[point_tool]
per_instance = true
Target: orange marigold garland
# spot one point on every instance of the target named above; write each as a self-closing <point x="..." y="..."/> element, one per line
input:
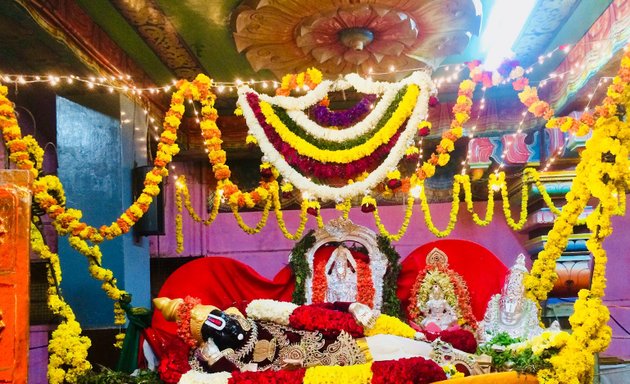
<point x="320" y="285"/>
<point x="365" y="287"/>
<point x="183" y="320"/>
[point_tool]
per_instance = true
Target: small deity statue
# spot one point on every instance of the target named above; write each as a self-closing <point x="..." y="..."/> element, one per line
<point x="341" y="275"/>
<point x="439" y="314"/>
<point x="511" y="311"/>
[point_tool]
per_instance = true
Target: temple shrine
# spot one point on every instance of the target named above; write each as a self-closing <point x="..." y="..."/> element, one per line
<point x="307" y="191"/>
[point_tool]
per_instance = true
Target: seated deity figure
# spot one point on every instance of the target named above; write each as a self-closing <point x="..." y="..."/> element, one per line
<point x="511" y="312"/>
<point x="439" y="298"/>
<point x="341" y="275"/>
<point x="279" y="335"/>
<point x="439" y="314"/>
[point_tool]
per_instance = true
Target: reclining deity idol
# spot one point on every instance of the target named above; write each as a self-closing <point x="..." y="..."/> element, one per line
<point x="278" y="335"/>
<point x="511" y="312"/>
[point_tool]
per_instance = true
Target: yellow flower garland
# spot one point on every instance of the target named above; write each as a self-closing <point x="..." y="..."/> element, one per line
<point x="389" y="325"/>
<point x="452" y="217"/>
<point x="601" y="173"/>
<point x="356" y="374"/>
<point x="179" y="234"/>
<point x="261" y="224"/>
<point x="403" y="228"/>
<point x="68" y="349"/>
<point x="281" y="223"/>
<point x="384" y="135"/>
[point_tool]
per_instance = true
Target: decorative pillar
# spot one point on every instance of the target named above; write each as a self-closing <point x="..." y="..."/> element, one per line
<point x="15" y="220"/>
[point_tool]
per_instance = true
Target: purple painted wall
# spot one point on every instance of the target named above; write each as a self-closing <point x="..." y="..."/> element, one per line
<point x="618" y="289"/>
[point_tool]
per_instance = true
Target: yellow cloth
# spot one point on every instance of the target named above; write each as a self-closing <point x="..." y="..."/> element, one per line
<point x="363" y="345"/>
<point x="492" y="378"/>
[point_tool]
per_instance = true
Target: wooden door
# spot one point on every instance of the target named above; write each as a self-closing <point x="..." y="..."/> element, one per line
<point x="15" y="205"/>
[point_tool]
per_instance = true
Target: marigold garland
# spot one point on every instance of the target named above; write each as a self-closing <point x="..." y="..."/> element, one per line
<point x="356" y="374"/>
<point x="183" y="320"/>
<point x="403" y="228"/>
<point x="68" y="349"/>
<point x="365" y="291"/>
<point x="389" y="325"/>
<point x="310" y="78"/>
<point x="602" y="170"/>
<point x="452" y="217"/>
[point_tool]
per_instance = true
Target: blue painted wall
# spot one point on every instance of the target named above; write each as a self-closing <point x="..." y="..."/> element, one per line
<point x="95" y="156"/>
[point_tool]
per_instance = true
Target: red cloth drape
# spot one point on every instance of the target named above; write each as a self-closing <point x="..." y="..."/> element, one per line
<point x="483" y="272"/>
<point x="224" y="283"/>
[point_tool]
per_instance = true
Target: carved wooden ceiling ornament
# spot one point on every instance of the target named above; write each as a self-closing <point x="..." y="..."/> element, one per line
<point x="352" y="36"/>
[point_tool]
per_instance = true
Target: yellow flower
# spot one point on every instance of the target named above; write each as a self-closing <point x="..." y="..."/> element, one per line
<point x="384" y="135"/>
<point x="429" y="169"/>
<point x="389" y="325"/>
<point x="355" y="374"/>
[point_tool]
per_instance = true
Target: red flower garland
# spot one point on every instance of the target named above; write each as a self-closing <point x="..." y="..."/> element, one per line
<point x="320" y="284"/>
<point x="183" y="320"/>
<point x="174" y="363"/>
<point x="315" y="168"/>
<point x="268" y="377"/>
<point x="322" y="318"/>
<point x="415" y="370"/>
<point x="365" y="287"/>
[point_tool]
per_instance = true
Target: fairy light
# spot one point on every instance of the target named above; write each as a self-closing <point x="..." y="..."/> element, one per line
<point x="416" y="191"/>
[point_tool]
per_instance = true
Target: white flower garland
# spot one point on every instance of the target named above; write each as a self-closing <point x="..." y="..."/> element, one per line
<point x="325" y="192"/>
<point x="341" y="135"/>
<point x="196" y="377"/>
<point x="270" y="310"/>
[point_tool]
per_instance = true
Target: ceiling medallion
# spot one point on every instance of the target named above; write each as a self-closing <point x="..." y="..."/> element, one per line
<point x="346" y="36"/>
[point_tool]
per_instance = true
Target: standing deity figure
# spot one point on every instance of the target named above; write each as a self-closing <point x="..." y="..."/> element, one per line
<point x="341" y="275"/>
<point x="440" y="315"/>
<point x="511" y="312"/>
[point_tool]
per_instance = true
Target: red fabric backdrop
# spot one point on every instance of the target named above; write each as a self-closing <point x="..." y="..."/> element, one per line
<point x="483" y="272"/>
<point x="225" y="282"/>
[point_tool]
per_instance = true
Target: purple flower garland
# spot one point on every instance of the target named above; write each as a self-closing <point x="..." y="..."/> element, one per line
<point x="345" y="118"/>
<point x="317" y="169"/>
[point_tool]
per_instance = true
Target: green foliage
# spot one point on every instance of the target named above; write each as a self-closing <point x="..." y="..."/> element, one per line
<point x="300" y="268"/>
<point x="391" y="303"/>
<point x="108" y="376"/>
<point x="504" y="359"/>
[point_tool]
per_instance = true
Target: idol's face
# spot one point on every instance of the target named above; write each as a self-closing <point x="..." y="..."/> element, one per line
<point x="223" y="329"/>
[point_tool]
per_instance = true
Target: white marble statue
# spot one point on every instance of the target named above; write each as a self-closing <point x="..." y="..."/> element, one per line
<point x="341" y="276"/>
<point x="439" y="314"/>
<point x="511" y="311"/>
